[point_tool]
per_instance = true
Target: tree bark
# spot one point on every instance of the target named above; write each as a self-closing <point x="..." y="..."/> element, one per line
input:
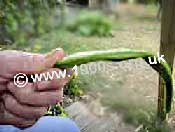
<point x="167" y="46"/>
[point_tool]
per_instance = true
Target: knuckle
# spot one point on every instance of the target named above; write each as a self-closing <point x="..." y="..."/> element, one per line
<point x="58" y="97"/>
<point x="23" y="95"/>
<point x="10" y="86"/>
<point x="20" y="98"/>
<point x="63" y="82"/>
<point x="23" y="98"/>
<point x="10" y="102"/>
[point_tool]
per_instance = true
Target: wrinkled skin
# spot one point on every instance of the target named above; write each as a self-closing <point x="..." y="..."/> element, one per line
<point x="23" y="106"/>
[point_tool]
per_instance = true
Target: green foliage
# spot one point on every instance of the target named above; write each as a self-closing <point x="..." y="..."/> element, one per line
<point x="25" y="19"/>
<point x="56" y="110"/>
<point x="73" y="89"/>
<point x="90" y="23"/>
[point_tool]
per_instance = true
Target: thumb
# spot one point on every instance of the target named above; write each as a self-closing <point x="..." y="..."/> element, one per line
<point x="52" y="57"/>
<point x="29" y="63"/>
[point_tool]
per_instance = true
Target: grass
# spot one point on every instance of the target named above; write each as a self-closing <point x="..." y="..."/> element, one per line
<point x="91" y="23"/>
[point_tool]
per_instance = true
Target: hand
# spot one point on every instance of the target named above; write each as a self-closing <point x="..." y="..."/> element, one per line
<point x="22" y="106"/>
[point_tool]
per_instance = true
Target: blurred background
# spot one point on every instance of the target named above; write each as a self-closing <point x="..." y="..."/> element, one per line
<point x="123" y="96"/>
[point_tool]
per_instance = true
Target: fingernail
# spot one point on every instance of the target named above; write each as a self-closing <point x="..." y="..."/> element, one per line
<point x="58" y="49"/>
<point x="58" y="53"/>
<point x="53" y="56"/>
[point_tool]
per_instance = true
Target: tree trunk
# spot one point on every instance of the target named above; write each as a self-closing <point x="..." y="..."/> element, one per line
<point x="167" y="46"/>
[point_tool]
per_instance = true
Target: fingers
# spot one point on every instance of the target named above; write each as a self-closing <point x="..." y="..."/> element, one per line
<point x="22" y="111"/>
<point x="3" y="80"/>
<point x="3" y="83"/>
<point x="56" y="80"/>
<point x="28" y="63"/>
<point x="2" y="87"/>
<point x="28" y="95"/>
<point x="8" y="118"/>
<point x="52" y="85"/>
